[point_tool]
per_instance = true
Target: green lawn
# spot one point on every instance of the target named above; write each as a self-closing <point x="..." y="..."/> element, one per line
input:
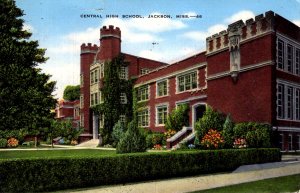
<point x="274" y="185"/>
<point x="40" y="153"/>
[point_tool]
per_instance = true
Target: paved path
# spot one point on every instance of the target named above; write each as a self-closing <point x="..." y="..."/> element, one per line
<point x="190" y="184"/>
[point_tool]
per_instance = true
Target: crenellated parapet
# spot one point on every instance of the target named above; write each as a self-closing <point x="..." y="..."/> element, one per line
<point x="110" y="32"/>
<point x="88" y="48"/>
<point x="241" y="32"/>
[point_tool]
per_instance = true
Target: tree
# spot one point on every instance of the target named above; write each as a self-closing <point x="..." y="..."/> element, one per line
<point x="72" y="93"/>
<point x="178" y="118"/>
<point x="25" y="92"/>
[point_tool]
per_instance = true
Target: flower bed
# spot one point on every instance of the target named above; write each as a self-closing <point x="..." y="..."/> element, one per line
<point x="49" y="174"/>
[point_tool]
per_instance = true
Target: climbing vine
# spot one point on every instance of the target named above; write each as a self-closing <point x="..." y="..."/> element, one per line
<point x="112" y="108"/>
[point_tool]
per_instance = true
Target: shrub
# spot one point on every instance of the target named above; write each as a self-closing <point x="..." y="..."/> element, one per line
<point x="133" y="140"/>
<point x="117" y="133"/>
<point x="12" y="142"/>
<point x="3" y="142"/>
<point x="178" y="118"/>
<point x="169" y="133"/>
<point x="211" y="119"/>
<point x="49" y="174"/>
<point x="227" y="132"/>
<point x="240" y="143"/>
<point x="256" y="134"/>
<point x="212" y="140"/>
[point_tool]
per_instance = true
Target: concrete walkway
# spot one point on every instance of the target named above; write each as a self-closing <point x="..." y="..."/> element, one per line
<point x="189" y="184"/>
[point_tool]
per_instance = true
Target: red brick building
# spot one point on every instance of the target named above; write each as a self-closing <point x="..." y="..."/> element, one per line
<point x="251" y="70"/>
<point x="68" y="110"/>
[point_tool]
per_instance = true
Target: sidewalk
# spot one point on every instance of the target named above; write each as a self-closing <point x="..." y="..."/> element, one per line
<point x="189" y="184"/>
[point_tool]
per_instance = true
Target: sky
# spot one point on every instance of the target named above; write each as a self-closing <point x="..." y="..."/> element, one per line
<point x="60" y="27"/>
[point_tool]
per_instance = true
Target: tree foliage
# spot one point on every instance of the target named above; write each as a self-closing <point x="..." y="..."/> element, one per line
<point x="178" y="118"/>
<point x="133" y="141"/>
<point x="72" y="93"/>
<point x="25" y="92"/>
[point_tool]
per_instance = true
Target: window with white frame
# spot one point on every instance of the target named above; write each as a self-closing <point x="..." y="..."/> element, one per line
<point x="122" y="118"/>
<point x="187" y="82"/>
<point x="94" y="76"/>
<point x="94" y="99"/>
<point x="123" y="72"/>
<point x="81" y="101"/>
<point x="297" y="104"/>
<point x="280" y="54"/>
<point x="101" y="70"/>
<point x="162" y="88"/>
<point x="161" y="114"/>
<point x="297" y="62"/>
<point x="144" y="71"/>
<point x="280" y="101"/>
<point x="81" y="80"/>
<point x="288" y="101"/>
<point x="82" y="120"/>
<point x="290" y="58"/>
<point x="123" y="98"/>
<point x="143" y="93"/>
<point x="288" y="55"/>
<point x="143" y="118"/>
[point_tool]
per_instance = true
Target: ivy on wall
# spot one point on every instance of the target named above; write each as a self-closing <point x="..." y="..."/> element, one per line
<point x="112" y="108"/>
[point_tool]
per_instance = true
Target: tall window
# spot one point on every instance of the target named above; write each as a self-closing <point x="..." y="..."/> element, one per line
<point x="297" y="105"/>
<point x="161" y="115"/>
<point x="290" y="142"/>
<point x="280" y="101"/>
<point x="123" y="98"/>
<point x="187" y="82"/>
<point x="82" y="120"/>
<point x="94" y="76"/>
<point x="289" y="58"/>
<point x="142" y="93"/>
<point x="281" y="141"/>
<point x="297" y="64"/>
<point x="280" y="54"/>
<point x="95" y="98"/>
<point x="81" y="101"/>
<point x="101" y="70"/>
<point x="143" y="118"/>
<point x="290" y="102"/>
<point x="122" y="118"/>
<point x="123" y="72"/>
<point x="101" y="121"/>
<point x="162" y="88"/>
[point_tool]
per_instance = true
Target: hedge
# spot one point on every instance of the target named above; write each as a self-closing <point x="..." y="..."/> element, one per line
<point x="48" y="174"/>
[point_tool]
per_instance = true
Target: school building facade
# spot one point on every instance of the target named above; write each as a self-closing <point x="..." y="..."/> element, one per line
<point x="250" y="71"/>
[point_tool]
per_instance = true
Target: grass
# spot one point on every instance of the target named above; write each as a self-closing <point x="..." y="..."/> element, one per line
<point x="40" y="153"/>
<point x="273" y="185"/>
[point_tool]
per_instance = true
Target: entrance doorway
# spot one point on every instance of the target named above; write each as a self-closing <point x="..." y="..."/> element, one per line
<point x="198" y="112"/>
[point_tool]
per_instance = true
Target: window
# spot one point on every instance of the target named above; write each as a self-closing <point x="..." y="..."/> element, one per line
<point x="280" y="101"/>
<point x="281" y="141"/>
<point x="81" y="80"/>
<point x="95" y="98"/>
<point x="144" y="71"/>
<point x="289" y="58"/>
<point x="187" y="82"/>
<point x="162" y="88"/>
<point x="123" y="72"/>
<point x="94" y="76"/>
<point x="122" y="119"/>
<point x="290" y="142"/>
<point x="101" y="70"/>
<point x="289" y="102"/>
<point x="82" y="120"/>
<point x="280" y="54"/>
<point x="81" y="101"/>
<point x="142" y="93"/>
<point x="297" y="64"/>
<point x="162" y="113"/>
<point x="143" y="118"/>
<point x="101" y="121"/>
<point x="123" y="98"/>
<point x="297" y="105"/>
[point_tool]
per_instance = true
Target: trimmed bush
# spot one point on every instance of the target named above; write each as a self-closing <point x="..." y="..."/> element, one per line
<point x="118" y="132"/>
<point x="210" y="120"/>
<point x="154" y="139"/>
<point x="133" y="140"/>
<point x="227" y="132"/>
<point x="49" y="174"/>
<point x="178" y="118"/>
<point x="3" y="143"/>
